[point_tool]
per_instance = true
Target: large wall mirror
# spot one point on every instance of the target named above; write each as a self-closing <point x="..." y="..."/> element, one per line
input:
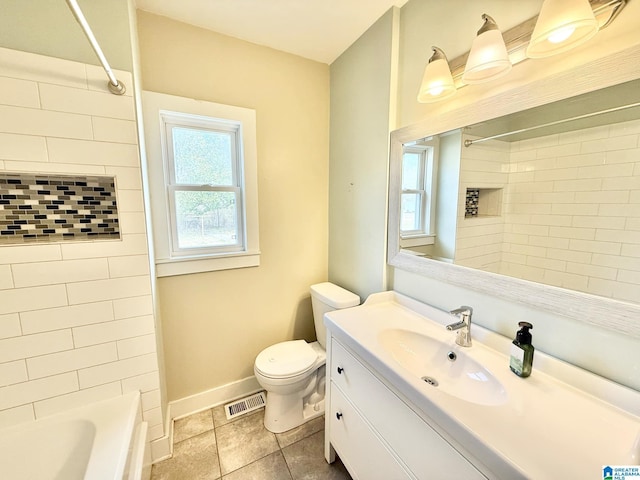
<point x="540" y="205"/>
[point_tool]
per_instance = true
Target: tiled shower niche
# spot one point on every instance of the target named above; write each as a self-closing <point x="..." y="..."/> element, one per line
<point x="483" y="202"/>
<point x="55" y="208"/>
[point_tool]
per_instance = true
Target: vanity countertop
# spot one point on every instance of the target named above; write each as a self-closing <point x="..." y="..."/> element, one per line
<point x="561" y="422"/>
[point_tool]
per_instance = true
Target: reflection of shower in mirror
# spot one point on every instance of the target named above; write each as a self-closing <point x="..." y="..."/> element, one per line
<point x="531" y="206"/>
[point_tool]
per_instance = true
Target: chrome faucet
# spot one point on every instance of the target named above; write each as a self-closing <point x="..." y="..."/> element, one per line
<point x="463" y="327"/>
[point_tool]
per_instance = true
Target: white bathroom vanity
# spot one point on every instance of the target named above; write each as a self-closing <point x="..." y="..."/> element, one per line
<point x="405" y="402"/>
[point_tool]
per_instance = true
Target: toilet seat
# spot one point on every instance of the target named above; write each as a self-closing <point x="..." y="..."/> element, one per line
<point x="286" y="359"/>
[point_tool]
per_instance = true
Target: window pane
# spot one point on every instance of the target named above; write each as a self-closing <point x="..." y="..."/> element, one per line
<point x="410" y="219"/>
<point x="202" y="157"/>
<point x="206" y="219"/>
<point x="411" y="171"/>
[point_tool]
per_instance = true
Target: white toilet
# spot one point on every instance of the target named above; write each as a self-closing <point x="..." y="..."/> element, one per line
<point x="293" y="372"/>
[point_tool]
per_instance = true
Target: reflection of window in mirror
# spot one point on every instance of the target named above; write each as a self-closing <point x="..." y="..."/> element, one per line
<point x="417" y="198"/>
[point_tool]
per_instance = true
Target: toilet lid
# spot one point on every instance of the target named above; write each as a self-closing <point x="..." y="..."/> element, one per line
<point x="286" y="359"/>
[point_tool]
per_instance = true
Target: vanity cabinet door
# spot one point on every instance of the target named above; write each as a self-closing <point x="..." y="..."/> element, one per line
<point x="420" y="447"/>
<point x="360" y="450"/>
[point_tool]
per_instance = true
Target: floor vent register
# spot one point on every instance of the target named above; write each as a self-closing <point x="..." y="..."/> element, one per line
<point x="245" y="405"/>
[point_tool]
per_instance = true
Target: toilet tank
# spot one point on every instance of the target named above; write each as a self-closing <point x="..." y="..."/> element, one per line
<point x="326" y="297"/>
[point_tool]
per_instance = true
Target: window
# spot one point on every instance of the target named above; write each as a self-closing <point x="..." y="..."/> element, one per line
<point x="204" y="185"/>
<point x="417" y="199"/>
<point x="202" y="178"/>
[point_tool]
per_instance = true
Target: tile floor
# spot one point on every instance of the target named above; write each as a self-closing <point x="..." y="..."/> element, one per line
<point x="207" y="446"/>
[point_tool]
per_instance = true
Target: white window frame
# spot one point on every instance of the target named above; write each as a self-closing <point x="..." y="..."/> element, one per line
<point x="172" y="120"/>
<point x="162" y="112"/>
<point x="428" y="149"/>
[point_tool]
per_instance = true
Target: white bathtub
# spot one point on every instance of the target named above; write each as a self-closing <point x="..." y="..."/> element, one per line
<point x="104" y="440"/>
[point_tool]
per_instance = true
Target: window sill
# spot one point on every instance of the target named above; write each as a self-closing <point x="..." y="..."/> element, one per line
<point x="189" y="265"/>
<point x="417" y="240"/>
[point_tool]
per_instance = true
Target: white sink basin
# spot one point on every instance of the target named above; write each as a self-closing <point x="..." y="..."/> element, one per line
<point x="443" y="367"/>
<point x="481" y="405"/>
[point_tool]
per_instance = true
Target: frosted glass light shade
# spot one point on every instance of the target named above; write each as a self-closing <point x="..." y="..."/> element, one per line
<point x="561" y="26"/>
<point x="437" y="82"/>
<point x="488" y="58"/>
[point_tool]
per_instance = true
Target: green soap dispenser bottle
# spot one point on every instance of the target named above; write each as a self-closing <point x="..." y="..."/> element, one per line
<point x="522" y="351"/>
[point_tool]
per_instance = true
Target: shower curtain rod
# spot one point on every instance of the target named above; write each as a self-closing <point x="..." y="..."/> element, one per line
<point x="468" y="143"/>
<point x="115" y="86"/>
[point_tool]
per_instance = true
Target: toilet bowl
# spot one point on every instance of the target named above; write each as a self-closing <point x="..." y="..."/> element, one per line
<point x="293" y="372"/>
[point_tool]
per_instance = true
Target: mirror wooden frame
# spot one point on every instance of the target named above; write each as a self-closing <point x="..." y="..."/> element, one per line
<point x="611" y="314"/>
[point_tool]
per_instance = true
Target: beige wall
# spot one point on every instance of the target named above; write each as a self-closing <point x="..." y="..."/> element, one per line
<point x="362" y="80"/>
<point x="215" y="323"/>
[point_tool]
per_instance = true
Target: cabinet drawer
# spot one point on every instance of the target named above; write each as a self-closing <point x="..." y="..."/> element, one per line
<point x="421" y="448"/>
<point x="361" y="451"/>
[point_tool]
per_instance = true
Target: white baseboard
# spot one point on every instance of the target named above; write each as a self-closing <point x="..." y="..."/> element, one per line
<point x="163" y="447"/>
<point x="212" y="398"/>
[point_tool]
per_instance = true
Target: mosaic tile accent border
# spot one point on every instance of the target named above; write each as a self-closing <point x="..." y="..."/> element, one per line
<point x="471" y="204"/>
<point x="55" y="208"/>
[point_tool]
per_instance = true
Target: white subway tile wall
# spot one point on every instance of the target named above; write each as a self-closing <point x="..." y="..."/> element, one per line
<point x="571" y="212"/>
<point x="76" y="319"/>
<point x="479" y="239"/>
<point x="592" y="211"/>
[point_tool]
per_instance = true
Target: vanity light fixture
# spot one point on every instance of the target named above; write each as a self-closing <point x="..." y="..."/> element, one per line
<point x="437" y="82"/>
<point x="520" y="42"/>
<point x="488" y="58"/>
<point x="561" y="26"/>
